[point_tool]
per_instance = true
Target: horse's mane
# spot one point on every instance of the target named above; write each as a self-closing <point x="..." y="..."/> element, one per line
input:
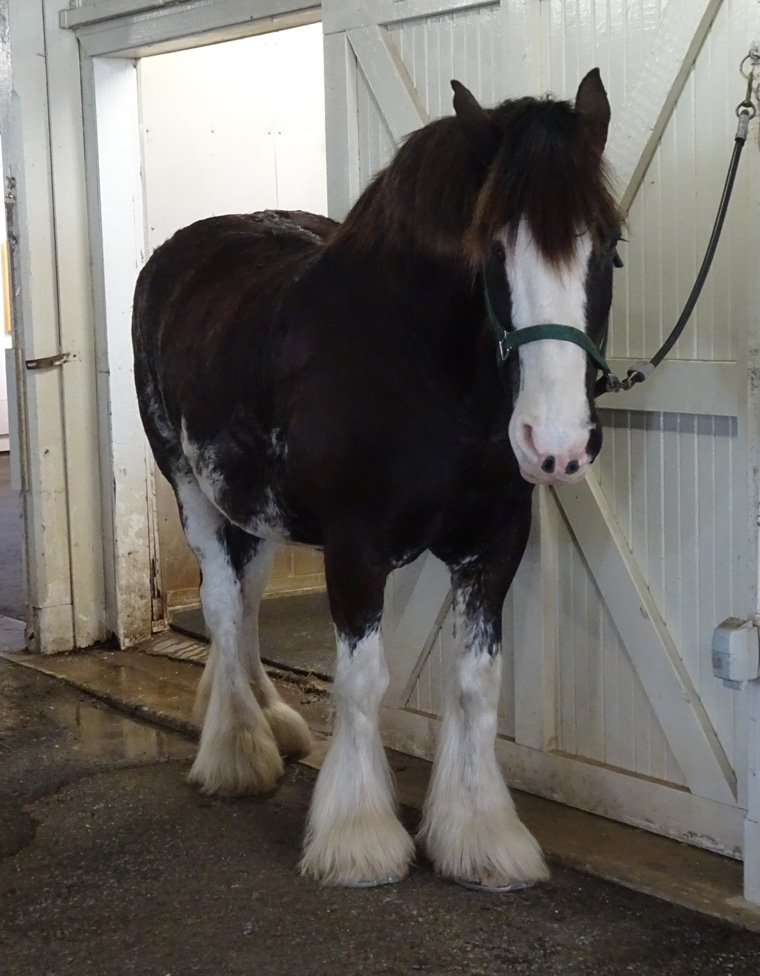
<point x="437" y="197"/>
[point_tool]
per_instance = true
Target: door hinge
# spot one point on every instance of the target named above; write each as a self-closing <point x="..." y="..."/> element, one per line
<point x="736" y="652"/>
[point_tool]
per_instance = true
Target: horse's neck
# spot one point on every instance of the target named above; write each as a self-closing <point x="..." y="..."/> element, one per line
<point x="434" y="290"/>
<point x="424" y="201"/>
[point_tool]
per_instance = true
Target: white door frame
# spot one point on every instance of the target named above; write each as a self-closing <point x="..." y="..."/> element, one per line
<point x="109" y="51"/>
<point x="55" y="368"/>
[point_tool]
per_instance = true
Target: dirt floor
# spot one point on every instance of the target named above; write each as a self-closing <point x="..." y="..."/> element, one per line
<point x="111" y="864"/>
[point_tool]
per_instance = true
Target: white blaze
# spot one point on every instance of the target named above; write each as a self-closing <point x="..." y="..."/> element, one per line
<point x="551" y="415"/>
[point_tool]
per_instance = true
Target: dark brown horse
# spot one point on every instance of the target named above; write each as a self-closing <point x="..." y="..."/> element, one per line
<point x="339" y="386"/>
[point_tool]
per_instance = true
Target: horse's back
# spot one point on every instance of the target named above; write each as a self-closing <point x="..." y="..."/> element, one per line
<point x="206" y="311"/>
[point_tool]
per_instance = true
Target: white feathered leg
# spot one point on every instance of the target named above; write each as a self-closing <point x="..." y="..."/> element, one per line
<point x="470" y="827"/>
<point x="290" y="731"/>
<point x="353" y="836"/>
<point x="237" y="752"/>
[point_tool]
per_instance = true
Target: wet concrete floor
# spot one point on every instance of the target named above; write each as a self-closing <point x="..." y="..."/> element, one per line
<point x="111" y="864"/>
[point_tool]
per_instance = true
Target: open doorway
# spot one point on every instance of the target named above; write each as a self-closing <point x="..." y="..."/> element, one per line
<point x="234" y="128"/>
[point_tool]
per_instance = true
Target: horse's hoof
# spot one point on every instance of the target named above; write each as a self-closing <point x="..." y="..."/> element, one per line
<point x="237" y="762"/>
<point x="495" y="889"/>
<point x="290" y="731"/>
<point x="363" y="849"/>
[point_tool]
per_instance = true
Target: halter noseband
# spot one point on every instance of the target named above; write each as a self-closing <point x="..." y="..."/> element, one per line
<point x="508" y="339"/>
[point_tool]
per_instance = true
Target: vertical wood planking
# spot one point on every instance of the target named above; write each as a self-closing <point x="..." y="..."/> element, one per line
<point x="78" y="377"/>
<point x="464" y="45"/>
<point x="603" y="713"/>
<point x="532" y="656"/>
<point x="27" y="151"/>
<point x="375" y="139"/>
<point x="342" y="123"/>
<point x="681" y="530"/>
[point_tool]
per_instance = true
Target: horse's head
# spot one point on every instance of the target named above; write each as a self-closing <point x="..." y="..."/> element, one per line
<point x="543" y="236"/>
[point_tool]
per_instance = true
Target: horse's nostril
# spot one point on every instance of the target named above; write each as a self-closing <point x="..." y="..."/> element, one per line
<point x="572" y="467"/>
<point x="548" y="465"/>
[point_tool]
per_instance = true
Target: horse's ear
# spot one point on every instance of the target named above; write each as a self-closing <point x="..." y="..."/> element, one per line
<point x="592" y="105"/>
<point x="482" y="132"/>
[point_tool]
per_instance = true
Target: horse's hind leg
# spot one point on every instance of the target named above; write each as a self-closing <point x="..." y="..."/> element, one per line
<point x="237" y="752"/>
<point x="291" y="733"/>
<point x="353" y="836"/>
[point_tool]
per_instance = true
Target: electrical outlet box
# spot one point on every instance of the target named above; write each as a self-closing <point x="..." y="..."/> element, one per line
<point x="736" y="652"/>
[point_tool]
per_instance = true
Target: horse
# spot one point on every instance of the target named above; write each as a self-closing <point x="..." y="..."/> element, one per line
<point x="339" y="386"/>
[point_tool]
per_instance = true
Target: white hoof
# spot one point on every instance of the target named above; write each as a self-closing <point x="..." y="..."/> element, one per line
<point x="290" y="731"/>
<point x="237" y="763"/>
<point x="490" y="851"/>
<point x="362" y="849"/>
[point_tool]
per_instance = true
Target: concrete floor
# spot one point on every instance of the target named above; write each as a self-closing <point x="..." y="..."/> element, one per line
<point x="111" y="864"/>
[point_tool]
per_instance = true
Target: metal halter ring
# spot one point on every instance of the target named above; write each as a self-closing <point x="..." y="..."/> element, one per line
<point x="746" y="108"/>
<point x="755" y="63"/>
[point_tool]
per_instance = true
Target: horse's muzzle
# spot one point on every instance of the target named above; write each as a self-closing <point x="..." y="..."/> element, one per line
<point x="565" y="465"/>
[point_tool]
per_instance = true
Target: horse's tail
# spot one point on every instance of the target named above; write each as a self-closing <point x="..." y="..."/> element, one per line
<point x="164" y="438"/>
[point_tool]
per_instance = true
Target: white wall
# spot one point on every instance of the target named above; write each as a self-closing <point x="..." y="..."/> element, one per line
<point x="234" y="128"/>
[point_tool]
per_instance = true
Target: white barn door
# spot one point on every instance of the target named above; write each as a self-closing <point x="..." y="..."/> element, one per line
<point x="609" y="701"/>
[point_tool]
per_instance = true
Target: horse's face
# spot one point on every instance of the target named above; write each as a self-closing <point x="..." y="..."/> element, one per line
<point x="545" y="228"/>
<point x="554" y="430"/>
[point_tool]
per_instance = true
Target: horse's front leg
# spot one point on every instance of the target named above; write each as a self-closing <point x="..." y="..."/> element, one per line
<point x="353" y="836"/>
<point x="470" y="829"/>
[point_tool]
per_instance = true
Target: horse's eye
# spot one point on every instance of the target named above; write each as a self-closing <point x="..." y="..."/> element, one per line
<point x="497" y="250"/>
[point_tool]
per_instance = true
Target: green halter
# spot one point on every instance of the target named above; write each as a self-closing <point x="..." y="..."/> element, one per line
<point x="512" y="339"/>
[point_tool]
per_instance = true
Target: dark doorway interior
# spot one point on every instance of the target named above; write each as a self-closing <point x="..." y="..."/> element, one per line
<point x="12" y="601"/>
